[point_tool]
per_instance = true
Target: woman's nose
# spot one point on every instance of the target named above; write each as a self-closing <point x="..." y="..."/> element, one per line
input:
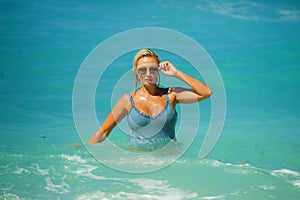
<point x="148" y="73"/>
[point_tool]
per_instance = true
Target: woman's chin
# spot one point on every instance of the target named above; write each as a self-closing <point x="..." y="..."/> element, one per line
<point x="149" y="83"/>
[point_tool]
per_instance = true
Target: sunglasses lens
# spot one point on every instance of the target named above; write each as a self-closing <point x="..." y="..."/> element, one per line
<point x="142" y="70"/>
<point x="152" y="70"/>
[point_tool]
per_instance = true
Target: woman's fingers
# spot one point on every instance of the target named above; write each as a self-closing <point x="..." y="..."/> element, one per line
<point x="164" y="66"/>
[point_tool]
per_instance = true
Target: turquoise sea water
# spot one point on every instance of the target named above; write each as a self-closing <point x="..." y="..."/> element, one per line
<point x="255" y="45"/>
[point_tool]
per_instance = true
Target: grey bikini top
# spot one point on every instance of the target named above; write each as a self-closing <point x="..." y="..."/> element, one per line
<point x="146" y="127"/>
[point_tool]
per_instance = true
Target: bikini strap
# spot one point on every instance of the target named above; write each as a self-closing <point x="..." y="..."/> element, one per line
<point x="166" y="95"/>
<point x="167" y="98"/>
<point x="131" y="100"/>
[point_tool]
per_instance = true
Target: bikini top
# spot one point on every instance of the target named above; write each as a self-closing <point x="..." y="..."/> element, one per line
<point x="146" y="127"/>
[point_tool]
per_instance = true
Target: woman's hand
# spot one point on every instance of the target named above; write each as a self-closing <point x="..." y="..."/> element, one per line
<point x="168" y="69"/>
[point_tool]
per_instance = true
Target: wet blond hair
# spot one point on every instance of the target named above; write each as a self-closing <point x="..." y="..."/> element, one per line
<point x="141" y="54"/>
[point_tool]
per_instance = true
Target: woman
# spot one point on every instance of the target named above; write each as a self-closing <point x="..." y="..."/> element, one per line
<point x="150" y="110"/>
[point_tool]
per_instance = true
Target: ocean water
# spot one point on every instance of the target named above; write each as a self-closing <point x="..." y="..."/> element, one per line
<point x="256" y="47"/>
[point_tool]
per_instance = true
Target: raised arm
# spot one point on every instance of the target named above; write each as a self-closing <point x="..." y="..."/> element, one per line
<point x="198" y="90"/>
<point x="119" y="111"/>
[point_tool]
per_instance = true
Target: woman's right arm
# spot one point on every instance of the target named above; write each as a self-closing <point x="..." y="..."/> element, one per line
<point x="115" y="116"/>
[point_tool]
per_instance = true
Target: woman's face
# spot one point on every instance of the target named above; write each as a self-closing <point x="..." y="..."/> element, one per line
<point x="147" y="70"/>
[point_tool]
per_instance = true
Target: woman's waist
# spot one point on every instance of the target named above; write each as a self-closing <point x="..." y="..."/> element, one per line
<point x="157" y="140"/>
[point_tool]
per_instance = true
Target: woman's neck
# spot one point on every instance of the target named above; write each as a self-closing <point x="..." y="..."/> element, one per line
<point x="151" y="89"/>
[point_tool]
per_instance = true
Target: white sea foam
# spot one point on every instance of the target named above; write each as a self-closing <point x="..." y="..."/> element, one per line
<point x="149" y="161"/>
<point x="139" y="163"/>
<point x="160" y="189"/>
<point x="4" y="166"/>
<point x="20" y="171"/>
<point x="289" y="175"/>
<point x="212" y="163"/>
<point x="84" y="169"/>
<point x="241" y="168"/>
<point x="213" y="197"/>
<point x="289" y="15"/>
<point x="178" y="195"/>
<point x="73" y="158"/>
<point x="296" y="183"/>
<point x="221" y="196"/>
<point x="284" y="172"/>
<point x="143" y="188"/>
<point x="9" y="196"/>
<point x="247" y="10"/>
<point x="149" y="184"/>
<point x="61" y="188"/>
<point x="42" y="172"/>
<point x="267" y="187"/>
<point x="6" y="186"/>
<point x="91" y="196"/>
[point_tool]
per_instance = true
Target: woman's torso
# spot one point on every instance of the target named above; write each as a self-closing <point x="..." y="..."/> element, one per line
<point x="151" y="120"/>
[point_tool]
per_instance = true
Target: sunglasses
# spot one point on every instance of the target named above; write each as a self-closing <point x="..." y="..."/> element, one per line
<point x="143" y="70"/>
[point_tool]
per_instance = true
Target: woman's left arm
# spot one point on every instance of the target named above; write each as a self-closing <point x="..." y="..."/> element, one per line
<point x="198" y="91"/>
